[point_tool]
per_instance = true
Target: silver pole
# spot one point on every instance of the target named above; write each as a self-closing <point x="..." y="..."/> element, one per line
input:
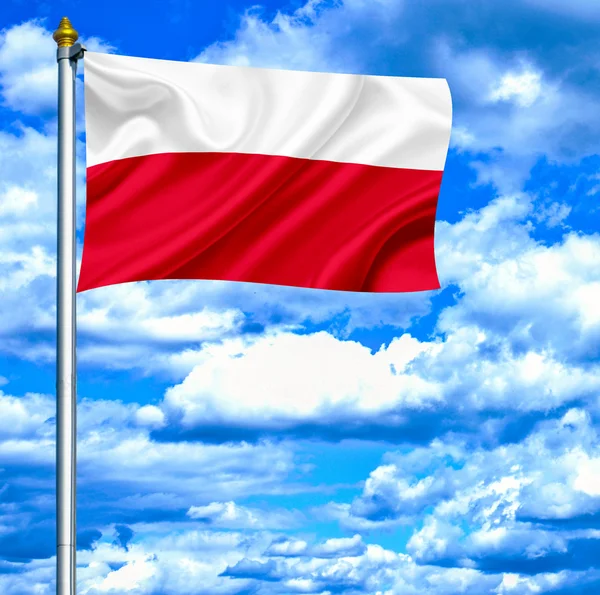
<point x="66" y="395"/>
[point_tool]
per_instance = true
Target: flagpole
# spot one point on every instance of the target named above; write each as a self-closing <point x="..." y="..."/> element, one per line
<point x="67" y="55"/>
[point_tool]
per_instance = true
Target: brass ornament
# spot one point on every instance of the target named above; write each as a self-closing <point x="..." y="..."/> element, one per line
<point x="65" y="36"/>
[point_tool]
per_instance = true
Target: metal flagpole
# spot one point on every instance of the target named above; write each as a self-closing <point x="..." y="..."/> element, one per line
<point x="67" y="55"/>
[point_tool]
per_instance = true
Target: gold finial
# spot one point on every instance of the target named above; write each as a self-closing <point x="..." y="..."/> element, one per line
<point x="65" y="36"/>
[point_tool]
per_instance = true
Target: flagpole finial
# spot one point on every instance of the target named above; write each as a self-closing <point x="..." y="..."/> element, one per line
<point x="65" y="36"/>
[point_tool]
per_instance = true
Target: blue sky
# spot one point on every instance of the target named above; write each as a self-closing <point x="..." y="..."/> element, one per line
<point x="243" y="439"/>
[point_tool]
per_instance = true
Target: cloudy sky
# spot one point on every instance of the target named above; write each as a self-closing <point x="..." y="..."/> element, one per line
<point x="256" y="440"/>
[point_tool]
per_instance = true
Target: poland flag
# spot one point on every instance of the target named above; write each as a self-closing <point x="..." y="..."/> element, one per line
<point x="196" y="171"/>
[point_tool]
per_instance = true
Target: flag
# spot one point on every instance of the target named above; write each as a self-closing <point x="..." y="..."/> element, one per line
<point x="198" y="171"/>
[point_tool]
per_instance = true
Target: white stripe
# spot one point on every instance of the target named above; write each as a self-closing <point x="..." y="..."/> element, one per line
<point x="140" y="106"/>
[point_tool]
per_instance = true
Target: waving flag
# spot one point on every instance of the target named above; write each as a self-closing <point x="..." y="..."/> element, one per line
<point x="196" y="171"/>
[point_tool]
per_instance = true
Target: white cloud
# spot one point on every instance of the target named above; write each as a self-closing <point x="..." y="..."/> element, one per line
<point x="196" y="557"/>
<point x="159" y="325"/>
<point x="150" y="416"/>
<point x="28" y="68"/>
<point x="588" y="474"/>
<point x="27" y="196"/>
<point x="515" y="288"/>
<point x="16" y="200"/>
<point x="310" y="38"/>
<point x="28" y="71"/>
<point x="523" y="88"/>
<point x="233" y="516"/>
<point x="486" y="489"/>
<point x="135" y="576"/>
<point x="508" y="504"/>
<point x="192" y="470"/>
<point x="331" y="548"/>
<point x="118" y="458"/>
<point x="132" y="312"/>
<point x="22" y="417"/>
<point x="510" y="109"/>
<point x="553" y="215"/>
<point x="285" y="379"/>
<point x="27" y="236"/>
<point x="18" y="270"/>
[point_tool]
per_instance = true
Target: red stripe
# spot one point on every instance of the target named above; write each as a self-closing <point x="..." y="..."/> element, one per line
<point x="262" y="219"/>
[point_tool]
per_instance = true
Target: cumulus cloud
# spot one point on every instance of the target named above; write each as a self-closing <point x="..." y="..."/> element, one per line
<point x="518" y="286"/>
<point x="27" y="239"/>
<point x="310" y="38"/>
<point x="524" y="507"/>
<point x="287" y="379"/>
<point x="28" y="67"/>
<point x="233" y="389"/>
<point x="232" y="562"/>
<point x="123" y="475"/>
<point x="524" y="88"/>
<point x="150" y="416"/>
<point x="514" y="499"/>
<point x="341" y="547"/>
<point x="534" y="115"/>
<point x="233" y="516"/>
<point x="23" y="416"/>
